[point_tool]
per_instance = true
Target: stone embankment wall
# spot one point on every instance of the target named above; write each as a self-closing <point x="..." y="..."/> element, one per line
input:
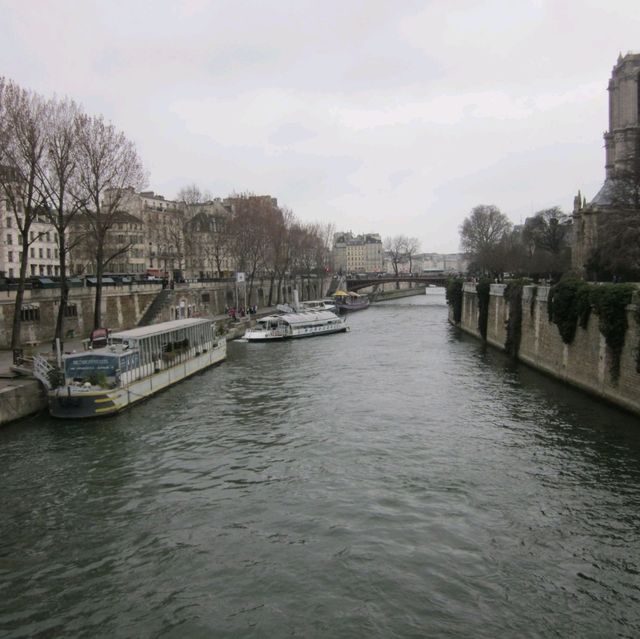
<point x="124" y="306"/>
<point x="584" y="363"/>
<point x="20" y="397"/>
<point x="391" y="294"/>
<point x="121" y="306"/>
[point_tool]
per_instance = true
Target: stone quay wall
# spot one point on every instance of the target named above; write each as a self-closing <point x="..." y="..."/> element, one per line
<point x="584" y="363"/>
<point x="124" y="306"/>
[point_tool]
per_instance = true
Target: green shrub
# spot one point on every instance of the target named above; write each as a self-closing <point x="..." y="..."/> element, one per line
<point x="570" y="305"/>
<point x="563" y="306"/>
<point x="483" y="289"/>
<point x="513" y="297"/>
<point x="610" y="303"/>
<point x="454" y="298"/>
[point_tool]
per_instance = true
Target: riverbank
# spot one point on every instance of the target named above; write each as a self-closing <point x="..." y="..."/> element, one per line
<point x="382" y="296"/>
<point x="23" y="395"/>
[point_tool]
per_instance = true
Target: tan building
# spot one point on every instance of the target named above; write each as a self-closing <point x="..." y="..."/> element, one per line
<point x="43" y="260"/>
<point x="163" y="229"/>
<point x="208" y="241"/>
<point x="124" y="246"/>
<point x="358" y="254"/>
<point x="447" y="262"/>
<point x="181" y="240"/>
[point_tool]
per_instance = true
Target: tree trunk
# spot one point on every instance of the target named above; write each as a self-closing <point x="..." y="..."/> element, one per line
<point x="278" y="298"/>
<point x="64" y="291"/>
<point x="271" y="283"/>
<point x="17" y="309"/>
<point x="97" y="311"/>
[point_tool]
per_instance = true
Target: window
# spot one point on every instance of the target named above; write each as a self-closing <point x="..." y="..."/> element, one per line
<point x="49" y="253"/>
<point x="30" y="313"/>
<point x="32" y="252"/>
<point x="33" y="269"/>
<point x="10" y="272"/>
<point x="9" y="221"/>
<point x="71" y="310"/>
<point x="9" y="238"/>
<point x="56" y="253"/>
<point x="10" y="256"/>
<point x="48" y="234"/>
<point x="41" y="269"/>
<point x="49" y="269"/>
<point x="32" y="236"/>
<point x="41" y="252"/>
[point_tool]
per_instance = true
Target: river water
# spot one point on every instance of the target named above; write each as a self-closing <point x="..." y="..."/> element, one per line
<point x="399" y="480"/>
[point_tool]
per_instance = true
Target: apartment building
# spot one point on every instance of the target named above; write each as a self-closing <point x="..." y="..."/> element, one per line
<point x="358" y="253"/>
<point x="43" y="258"/>
<point x="124" y="246"/>
<point x="207" y="240"/>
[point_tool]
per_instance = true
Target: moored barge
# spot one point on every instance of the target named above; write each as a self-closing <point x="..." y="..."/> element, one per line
<point x="134" y="365"/>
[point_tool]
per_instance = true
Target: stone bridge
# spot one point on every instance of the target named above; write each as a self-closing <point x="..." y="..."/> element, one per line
<point x="360" y="282"/>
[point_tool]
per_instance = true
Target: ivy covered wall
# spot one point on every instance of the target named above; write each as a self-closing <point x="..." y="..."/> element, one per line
<point x="602" y="356"/>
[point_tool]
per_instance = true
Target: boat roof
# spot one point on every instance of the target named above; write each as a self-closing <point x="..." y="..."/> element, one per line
<point x="163" y="327"/>
<point x="303" y="317"/>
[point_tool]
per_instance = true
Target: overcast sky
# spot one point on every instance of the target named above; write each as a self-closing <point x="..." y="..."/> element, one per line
<point x="383" y="117"/>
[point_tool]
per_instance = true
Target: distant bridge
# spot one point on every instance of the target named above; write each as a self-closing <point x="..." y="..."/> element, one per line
<point x="358" y="283"/>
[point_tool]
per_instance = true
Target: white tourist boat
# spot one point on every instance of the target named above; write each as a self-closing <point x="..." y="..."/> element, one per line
<point x="318" y="305"/>
<point x="133" y="365"/>
<point x="295" y="325"/>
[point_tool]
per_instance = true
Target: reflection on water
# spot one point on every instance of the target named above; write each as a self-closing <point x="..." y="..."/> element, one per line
<point x="399" y="480"/>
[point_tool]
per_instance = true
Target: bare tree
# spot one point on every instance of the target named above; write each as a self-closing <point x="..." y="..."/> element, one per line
<point x="396" y="247"/>
<point x="412" y="247"/>
<point x="278" y="257"/>
<point x="252" y="217"/>
<point x="482" y="237"/>
<point x="544" y="240"/>
<point x="108" y="163"/>
<point x="59" y="170"/>
<point x="23" y="134"/>
<point x="191" y="194"/>
<point x="207" y="240"/>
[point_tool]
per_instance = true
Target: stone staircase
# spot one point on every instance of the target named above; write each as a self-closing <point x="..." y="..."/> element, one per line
<point x="153" y="310"/>
<point x="337" y="282"/>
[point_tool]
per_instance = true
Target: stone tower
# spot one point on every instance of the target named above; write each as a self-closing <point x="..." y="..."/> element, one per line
<point x="623" y="137"/>
<point x="622" y="145"/>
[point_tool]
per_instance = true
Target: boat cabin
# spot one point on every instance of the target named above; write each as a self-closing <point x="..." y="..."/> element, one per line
<point x="138" y="352"/>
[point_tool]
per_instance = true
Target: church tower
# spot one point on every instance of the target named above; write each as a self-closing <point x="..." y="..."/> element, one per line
<point x="622" y="147"/>
<point x="622" y="140"/>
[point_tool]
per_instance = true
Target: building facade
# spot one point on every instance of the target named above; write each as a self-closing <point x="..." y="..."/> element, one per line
<point x="358" y="254"/>
<point x="43" y="258"/>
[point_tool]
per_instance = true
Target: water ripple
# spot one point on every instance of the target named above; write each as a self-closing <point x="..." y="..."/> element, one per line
<point x="400" y="480"/>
